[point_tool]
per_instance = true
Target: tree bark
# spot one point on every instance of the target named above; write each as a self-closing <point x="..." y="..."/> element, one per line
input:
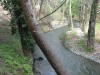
<point x="26" y="43"/>
<point x="40" y="39"/>
<point x="25" y="35"/>
<point x="83" y="16"/>
<point x="70" y="14"/>
<point x="92" y="23"/>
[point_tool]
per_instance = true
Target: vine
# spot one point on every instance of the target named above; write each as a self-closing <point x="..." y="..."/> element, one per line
<point x="18" y="23"/>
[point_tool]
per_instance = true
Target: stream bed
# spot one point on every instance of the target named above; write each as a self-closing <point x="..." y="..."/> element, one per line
<point x="75" y="65"/>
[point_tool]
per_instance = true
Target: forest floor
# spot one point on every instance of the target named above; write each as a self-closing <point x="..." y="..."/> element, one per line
<point x="12" y="60"/>
<point x="76" y="42"/>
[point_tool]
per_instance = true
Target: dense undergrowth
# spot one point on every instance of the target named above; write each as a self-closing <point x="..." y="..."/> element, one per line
<point x="13" y="62"/>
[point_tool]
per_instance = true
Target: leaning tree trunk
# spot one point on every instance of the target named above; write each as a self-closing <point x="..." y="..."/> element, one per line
<point x="92" y="23"/>
<point x="40" y="39"/>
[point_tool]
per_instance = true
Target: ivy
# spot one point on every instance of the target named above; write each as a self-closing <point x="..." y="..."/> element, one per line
<point x="13" y="7"/>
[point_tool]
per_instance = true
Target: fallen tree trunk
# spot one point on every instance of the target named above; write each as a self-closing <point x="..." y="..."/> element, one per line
<point x="40" y="39"/>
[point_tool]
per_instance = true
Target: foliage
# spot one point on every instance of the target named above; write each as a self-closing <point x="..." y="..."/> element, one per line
<point x="69" y="39"/>
<point x="82" y="43"/>
<point x="11" y="6"/>
<point x="76" y="4"/>
<point x="67" y="36"/>
<point x="14" y="8"/>
<point x="14" y="62"/>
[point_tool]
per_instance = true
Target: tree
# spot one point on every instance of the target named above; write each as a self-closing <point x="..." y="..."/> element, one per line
<point x="40" y="39"/>
<point x="83" y="15"/>
<point x="92" y="23"/>
<point x="70" y="14"/>
<point x="18" y="23"/>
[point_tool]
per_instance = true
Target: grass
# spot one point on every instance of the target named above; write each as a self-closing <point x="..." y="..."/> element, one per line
<point x="68" y="35"/>
<point x="73" y="32"/>
<point x="14" y="62"/>
<point x="67" y="38"/>
<point x="97" y="32"/>
<point x="82" y="44"/>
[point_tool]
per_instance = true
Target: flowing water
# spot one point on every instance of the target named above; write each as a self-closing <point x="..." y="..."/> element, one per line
<point x="75" y="65"/>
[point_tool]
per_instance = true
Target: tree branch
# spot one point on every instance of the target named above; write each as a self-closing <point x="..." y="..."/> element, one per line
<point x="40" y="39"/>
<point x="52" y="11"/>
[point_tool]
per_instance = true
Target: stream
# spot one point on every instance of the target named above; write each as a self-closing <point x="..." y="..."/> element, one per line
<point x="75" y="65"/>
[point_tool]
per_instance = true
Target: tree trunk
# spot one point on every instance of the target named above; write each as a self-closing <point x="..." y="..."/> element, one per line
<point x="83" y="16"/>
<point x="80" y="16"/>
<point x="70" y="14"/>
<point x="18" y="22"/>
<point x="40" y="39"/>
<point x="25" y="35"/>
<point x="92" y="23"/>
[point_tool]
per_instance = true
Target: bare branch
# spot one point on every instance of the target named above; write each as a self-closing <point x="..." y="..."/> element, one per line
<point x="52" y="11"/>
